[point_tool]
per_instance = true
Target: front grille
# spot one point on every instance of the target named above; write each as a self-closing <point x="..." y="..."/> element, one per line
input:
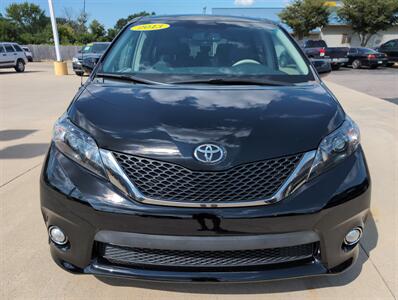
<point x="243" y="183"/>
<point x="142" y="257"/>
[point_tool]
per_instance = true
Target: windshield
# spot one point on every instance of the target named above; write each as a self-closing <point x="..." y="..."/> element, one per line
<point x="95" y="48"/>
<point x="183" y="50"/>
<point x="367" y="50"/>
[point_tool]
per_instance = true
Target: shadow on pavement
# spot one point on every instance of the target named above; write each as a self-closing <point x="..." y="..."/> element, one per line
<point x="369" y="242"/>
<point x="26" y="71"/>
<point x="14" y="72"/>
<point x="14" y="134"/>
<point x="23" y="151"/>
<point x="392" y="100"/>
<point x="370" y="235"/>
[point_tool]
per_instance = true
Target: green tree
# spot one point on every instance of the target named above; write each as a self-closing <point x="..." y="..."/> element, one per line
<point x="97" y="30"/>
<point x="123" y="21"/>
<point x="8" y="30"/>
<point x="66" y="33"/>
<point x="367" y="17"/>
<point x="111" y="33"/>
<point x="305" y="15"/>
<point x="27" y="16"/>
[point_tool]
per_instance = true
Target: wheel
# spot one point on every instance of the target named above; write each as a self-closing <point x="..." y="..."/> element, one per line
<point x="374" y="67"/>
<point x="356" y="64"/>
<point x="79" y="73"/>
<point x="390" y="64"/>
<point x="335" y="67"/>
<point x="20" y="66"/>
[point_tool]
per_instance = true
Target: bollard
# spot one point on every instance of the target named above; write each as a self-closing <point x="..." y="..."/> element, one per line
<point x="60" y="68"/>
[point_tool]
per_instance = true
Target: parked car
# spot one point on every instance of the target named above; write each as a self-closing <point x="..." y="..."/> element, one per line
<point x="318" y="49"/>
<point x="12" y="56"/>
<point x="205" y="148"/>
<point x="359" y="57"/>
<point x="390" y="48"/>
<point x="322" y="66"/>
<point x="28" y="53"/>
<point x="92" y="50"/>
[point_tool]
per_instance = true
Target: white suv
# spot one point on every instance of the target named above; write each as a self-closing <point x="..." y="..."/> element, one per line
<point x="12" y="56"/>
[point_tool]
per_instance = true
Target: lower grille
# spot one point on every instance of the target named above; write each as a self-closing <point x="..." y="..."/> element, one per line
<point x="142" y="257"/>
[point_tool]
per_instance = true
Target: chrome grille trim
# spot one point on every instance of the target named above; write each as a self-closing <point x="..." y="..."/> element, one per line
<point x="119" y="178"/>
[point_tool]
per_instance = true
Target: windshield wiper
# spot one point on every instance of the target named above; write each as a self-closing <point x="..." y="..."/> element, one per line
<point x="234" y="81"/>
<point x="126" y="77"/>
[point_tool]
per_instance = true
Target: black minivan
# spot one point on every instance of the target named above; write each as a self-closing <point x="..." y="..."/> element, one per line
<point x="204" y="148"/>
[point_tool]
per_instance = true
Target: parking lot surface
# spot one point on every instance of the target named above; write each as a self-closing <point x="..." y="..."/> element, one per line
<point x="30" y="103"/>
<point x="381" y="82"/>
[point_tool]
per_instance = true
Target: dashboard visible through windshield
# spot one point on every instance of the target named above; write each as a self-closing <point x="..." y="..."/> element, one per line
<point x="178" y="50"/>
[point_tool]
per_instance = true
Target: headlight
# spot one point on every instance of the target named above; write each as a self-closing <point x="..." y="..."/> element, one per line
<point x="335" y="147"/>
<point x="75" y="60"/>
<point x="78" y="146"/>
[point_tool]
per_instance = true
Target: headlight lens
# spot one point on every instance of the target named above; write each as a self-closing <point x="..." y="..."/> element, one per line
<point x="335" y="147"/>
<point x="78" y="146"/>
<point x="75" y="60"/>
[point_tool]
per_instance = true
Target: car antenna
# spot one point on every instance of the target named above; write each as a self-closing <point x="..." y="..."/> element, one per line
<point x="81" y="52"/>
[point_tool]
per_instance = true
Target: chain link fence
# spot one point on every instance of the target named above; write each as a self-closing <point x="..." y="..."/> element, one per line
<point x="47" y="52"/>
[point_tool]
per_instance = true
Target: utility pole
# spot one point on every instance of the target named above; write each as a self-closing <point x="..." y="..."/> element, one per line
<point x="60" y="67"/>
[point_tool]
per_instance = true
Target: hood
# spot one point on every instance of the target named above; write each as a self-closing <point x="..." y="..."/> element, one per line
<point x="168" y="122"/>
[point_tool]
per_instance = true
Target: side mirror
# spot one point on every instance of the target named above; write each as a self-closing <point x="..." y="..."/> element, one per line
<point x="89" y="63"/>
<point x="322" y="66"/>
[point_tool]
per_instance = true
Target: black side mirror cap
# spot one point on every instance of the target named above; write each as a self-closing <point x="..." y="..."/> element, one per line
<point x="89" y="63"/>
<point x="322" y="66"/>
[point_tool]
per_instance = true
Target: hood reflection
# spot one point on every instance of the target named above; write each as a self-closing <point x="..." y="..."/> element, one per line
<point x="168" y="122"/>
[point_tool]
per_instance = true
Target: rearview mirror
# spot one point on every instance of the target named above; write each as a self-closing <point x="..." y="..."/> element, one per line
<point x="89" y="63"/>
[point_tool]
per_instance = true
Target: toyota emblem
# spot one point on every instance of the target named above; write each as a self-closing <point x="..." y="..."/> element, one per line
<point x="209" y="153"/>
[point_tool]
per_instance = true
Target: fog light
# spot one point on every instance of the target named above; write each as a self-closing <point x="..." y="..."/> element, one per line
<point x="57" y="235"/>
<point x="353" y="236"/>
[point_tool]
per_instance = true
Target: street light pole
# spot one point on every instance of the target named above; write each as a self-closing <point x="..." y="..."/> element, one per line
<point x="60" y="66"/>
<point x="55" y="30"/>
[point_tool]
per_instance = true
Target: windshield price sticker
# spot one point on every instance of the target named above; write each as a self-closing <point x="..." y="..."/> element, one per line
<point x="149" y="27"/>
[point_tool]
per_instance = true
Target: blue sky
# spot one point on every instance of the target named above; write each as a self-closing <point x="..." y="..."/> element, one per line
<point x="108" y="11"/>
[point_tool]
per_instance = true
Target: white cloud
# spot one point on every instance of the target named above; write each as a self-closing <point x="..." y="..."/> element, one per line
<point x="244" y="2"/>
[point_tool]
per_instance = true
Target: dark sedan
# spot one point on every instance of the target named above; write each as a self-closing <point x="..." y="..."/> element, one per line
<point x="390" y="48"/>
<point x="92" y="50"/>
<point x="359" y="57"/>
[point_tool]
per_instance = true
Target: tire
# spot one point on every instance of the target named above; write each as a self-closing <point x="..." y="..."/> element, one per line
<point x="390" y="64"/>
<point x="374" y="67"/>
<point x="335" y="67"/>
<point x="20" y="66"/>
<point x="356" y="64"/>
<point x="79" y="73"/>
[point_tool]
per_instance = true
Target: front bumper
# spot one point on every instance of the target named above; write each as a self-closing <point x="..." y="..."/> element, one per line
<point x="322" y="211"/>
<point x="77" y="67"/>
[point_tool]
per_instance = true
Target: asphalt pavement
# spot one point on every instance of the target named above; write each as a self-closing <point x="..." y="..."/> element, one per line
<point x="381" y="82"/>
<point x="30" y="103"/>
